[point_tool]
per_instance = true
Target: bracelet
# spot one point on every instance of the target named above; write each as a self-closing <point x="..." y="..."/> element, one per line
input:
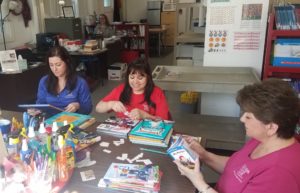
<point x="205" y="190"/>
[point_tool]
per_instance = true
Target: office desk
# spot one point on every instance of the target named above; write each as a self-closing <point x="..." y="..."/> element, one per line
<point x="172" y="181"/>
<point x="159" y="32"/>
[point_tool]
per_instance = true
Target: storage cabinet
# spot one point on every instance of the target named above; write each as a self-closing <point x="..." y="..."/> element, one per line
<point x="277" y="71"/>
<point x="69" y="26"/>
<point x="168" y="18"/>
<point x="134" y="37"/>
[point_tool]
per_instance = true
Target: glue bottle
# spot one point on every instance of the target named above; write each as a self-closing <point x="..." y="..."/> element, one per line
<point x="25" y="152"/>
<point x="61" y="156"/>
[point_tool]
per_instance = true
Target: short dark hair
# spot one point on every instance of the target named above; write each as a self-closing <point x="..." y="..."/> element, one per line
<point x="272" y="100"/>
<point x="143" y="67"/>
<point x="71" y="76"/>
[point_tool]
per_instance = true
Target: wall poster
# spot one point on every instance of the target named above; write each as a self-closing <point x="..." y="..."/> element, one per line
<point x="235" y="33"/>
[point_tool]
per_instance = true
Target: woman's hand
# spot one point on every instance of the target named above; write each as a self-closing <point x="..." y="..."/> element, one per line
<point x="194" y="175"/>
<point x="137" y="114"/>
<point x="117" y="106"/>
<point x="72" y="107"/>
<point x="194" y="145"/>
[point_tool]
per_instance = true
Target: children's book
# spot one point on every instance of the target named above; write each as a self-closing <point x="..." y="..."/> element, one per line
<point x="72" y="118"/>
<point x="180" y="150"/>
<point x="117" y="126"/>
<point x="152" y="129"/>
<point x="132" y="173"/>
<point x="131" y="177"/>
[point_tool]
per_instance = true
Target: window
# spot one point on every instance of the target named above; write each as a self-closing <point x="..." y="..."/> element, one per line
<point x="107" y="3"/>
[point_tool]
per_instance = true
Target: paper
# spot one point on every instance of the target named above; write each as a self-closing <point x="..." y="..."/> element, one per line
<point x="8" y="60"/>
<point x="106" y="150"/>
<point x="87" y="175"/>
<point x="104" y="144"/>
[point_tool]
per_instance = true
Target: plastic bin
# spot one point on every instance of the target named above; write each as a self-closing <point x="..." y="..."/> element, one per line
<point x="117" y="71"/>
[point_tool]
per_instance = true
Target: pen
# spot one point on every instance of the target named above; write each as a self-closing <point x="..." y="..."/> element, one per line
<point x="153" y="151"/>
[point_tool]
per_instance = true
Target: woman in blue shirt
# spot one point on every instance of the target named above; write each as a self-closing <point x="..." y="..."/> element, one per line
<point x="62" y="87"/>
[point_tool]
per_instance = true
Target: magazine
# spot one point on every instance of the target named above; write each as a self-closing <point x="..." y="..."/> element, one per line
<point x="117" y="126"/>
<point x="180" y="150"/>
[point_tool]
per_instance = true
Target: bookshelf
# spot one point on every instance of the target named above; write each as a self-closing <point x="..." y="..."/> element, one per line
<point x="134" y="37"/>
<point x="275" y="71"/>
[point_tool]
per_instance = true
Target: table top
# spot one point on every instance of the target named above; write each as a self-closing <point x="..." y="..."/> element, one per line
<point x="204" y="79"/>
<point x="171" y="175"/>
<point x="157" y="30"/>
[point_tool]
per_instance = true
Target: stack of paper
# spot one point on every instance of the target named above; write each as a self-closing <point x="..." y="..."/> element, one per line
<point x="155" y="133"/>
<point x="117" y="126"/>
<point x="132" y="178"/>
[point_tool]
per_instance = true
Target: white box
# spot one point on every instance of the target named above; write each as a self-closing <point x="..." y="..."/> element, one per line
<point x="117" y="71"/>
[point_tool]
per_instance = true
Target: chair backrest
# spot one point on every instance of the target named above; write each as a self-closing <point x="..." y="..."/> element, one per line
<point x="297" y="136"/>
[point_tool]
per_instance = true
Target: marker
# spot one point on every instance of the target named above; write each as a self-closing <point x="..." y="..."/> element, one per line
<point x="153" y="151"/>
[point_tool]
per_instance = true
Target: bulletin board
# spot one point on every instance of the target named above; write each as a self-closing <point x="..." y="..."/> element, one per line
<point x="235" y="33"/>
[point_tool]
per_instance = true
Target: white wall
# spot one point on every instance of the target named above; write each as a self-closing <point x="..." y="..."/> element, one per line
<point x="135" y="10"/>
<point x="16" y="33"/>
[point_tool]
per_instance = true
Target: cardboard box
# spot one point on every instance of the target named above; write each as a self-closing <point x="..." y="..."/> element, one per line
<point x="287" y="53"/>
<point x="117" y="71"/>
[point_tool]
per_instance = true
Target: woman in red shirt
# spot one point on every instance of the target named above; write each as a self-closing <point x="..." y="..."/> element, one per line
<point x="138" y="97"/>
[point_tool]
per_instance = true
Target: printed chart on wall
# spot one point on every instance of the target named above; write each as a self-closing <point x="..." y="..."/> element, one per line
<point x="235" y="32"/>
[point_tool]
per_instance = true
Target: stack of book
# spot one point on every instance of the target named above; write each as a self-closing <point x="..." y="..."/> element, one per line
<point x="117" y="127"/>
<point x="132" y="178"/>
<point x="155" y="133"/>
<point x="287" y="17"/>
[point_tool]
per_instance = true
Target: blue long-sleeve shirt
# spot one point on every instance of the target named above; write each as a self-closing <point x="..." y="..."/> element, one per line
<point x="80" y="94"/>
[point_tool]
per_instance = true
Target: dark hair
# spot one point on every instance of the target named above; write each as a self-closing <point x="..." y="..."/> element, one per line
<point x="106" y="19"/>
<point x="272" y="100"/>
<point x="142" y="67"/>
<point x="71" y="76"/>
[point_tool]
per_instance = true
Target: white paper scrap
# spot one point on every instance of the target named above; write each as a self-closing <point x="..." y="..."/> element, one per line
<point x="104" y="144"/>
<point x="87" y="175"/>
<point x="106" y="150"/>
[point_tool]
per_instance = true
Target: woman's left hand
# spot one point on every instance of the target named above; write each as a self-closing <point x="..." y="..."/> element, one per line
<point x="194" y="175"/>
<point x="72" y="107"/>
<point x="136" y="114"/>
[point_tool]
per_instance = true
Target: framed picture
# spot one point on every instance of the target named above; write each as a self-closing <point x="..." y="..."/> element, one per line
<point x="68" y="11"/>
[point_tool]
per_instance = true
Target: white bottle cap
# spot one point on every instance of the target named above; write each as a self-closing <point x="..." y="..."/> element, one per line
<point x="31" y="132"/>
<point x="65" y="122"/>
<point x="60" y="141"/>
<point x="42" y="128"/>
<point x="54" y="127"/>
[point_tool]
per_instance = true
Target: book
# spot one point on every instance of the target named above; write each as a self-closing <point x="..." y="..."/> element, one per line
<point x="180" y="150"/>
<point x="72" y="118"/>
<point x="131" y="177"/>
<point x="151" y="141"/>
<point x="41" y="107"/>
<point x="153" y="129"/>
<point x="117" y="126"/>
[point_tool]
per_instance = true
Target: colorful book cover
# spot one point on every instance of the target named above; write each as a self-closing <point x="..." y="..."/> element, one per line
<point x="145" y="175"/>
<point x="180" y="150"/>
<point x="117" y="126"/>
<point x="72" y="118"/>
<point x="152" y="129"/>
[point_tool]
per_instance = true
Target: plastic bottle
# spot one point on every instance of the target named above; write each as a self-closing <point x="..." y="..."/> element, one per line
<point x="25" y="152"/>
<point x="42" y="134"/>
<point x="63" y="173"/>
